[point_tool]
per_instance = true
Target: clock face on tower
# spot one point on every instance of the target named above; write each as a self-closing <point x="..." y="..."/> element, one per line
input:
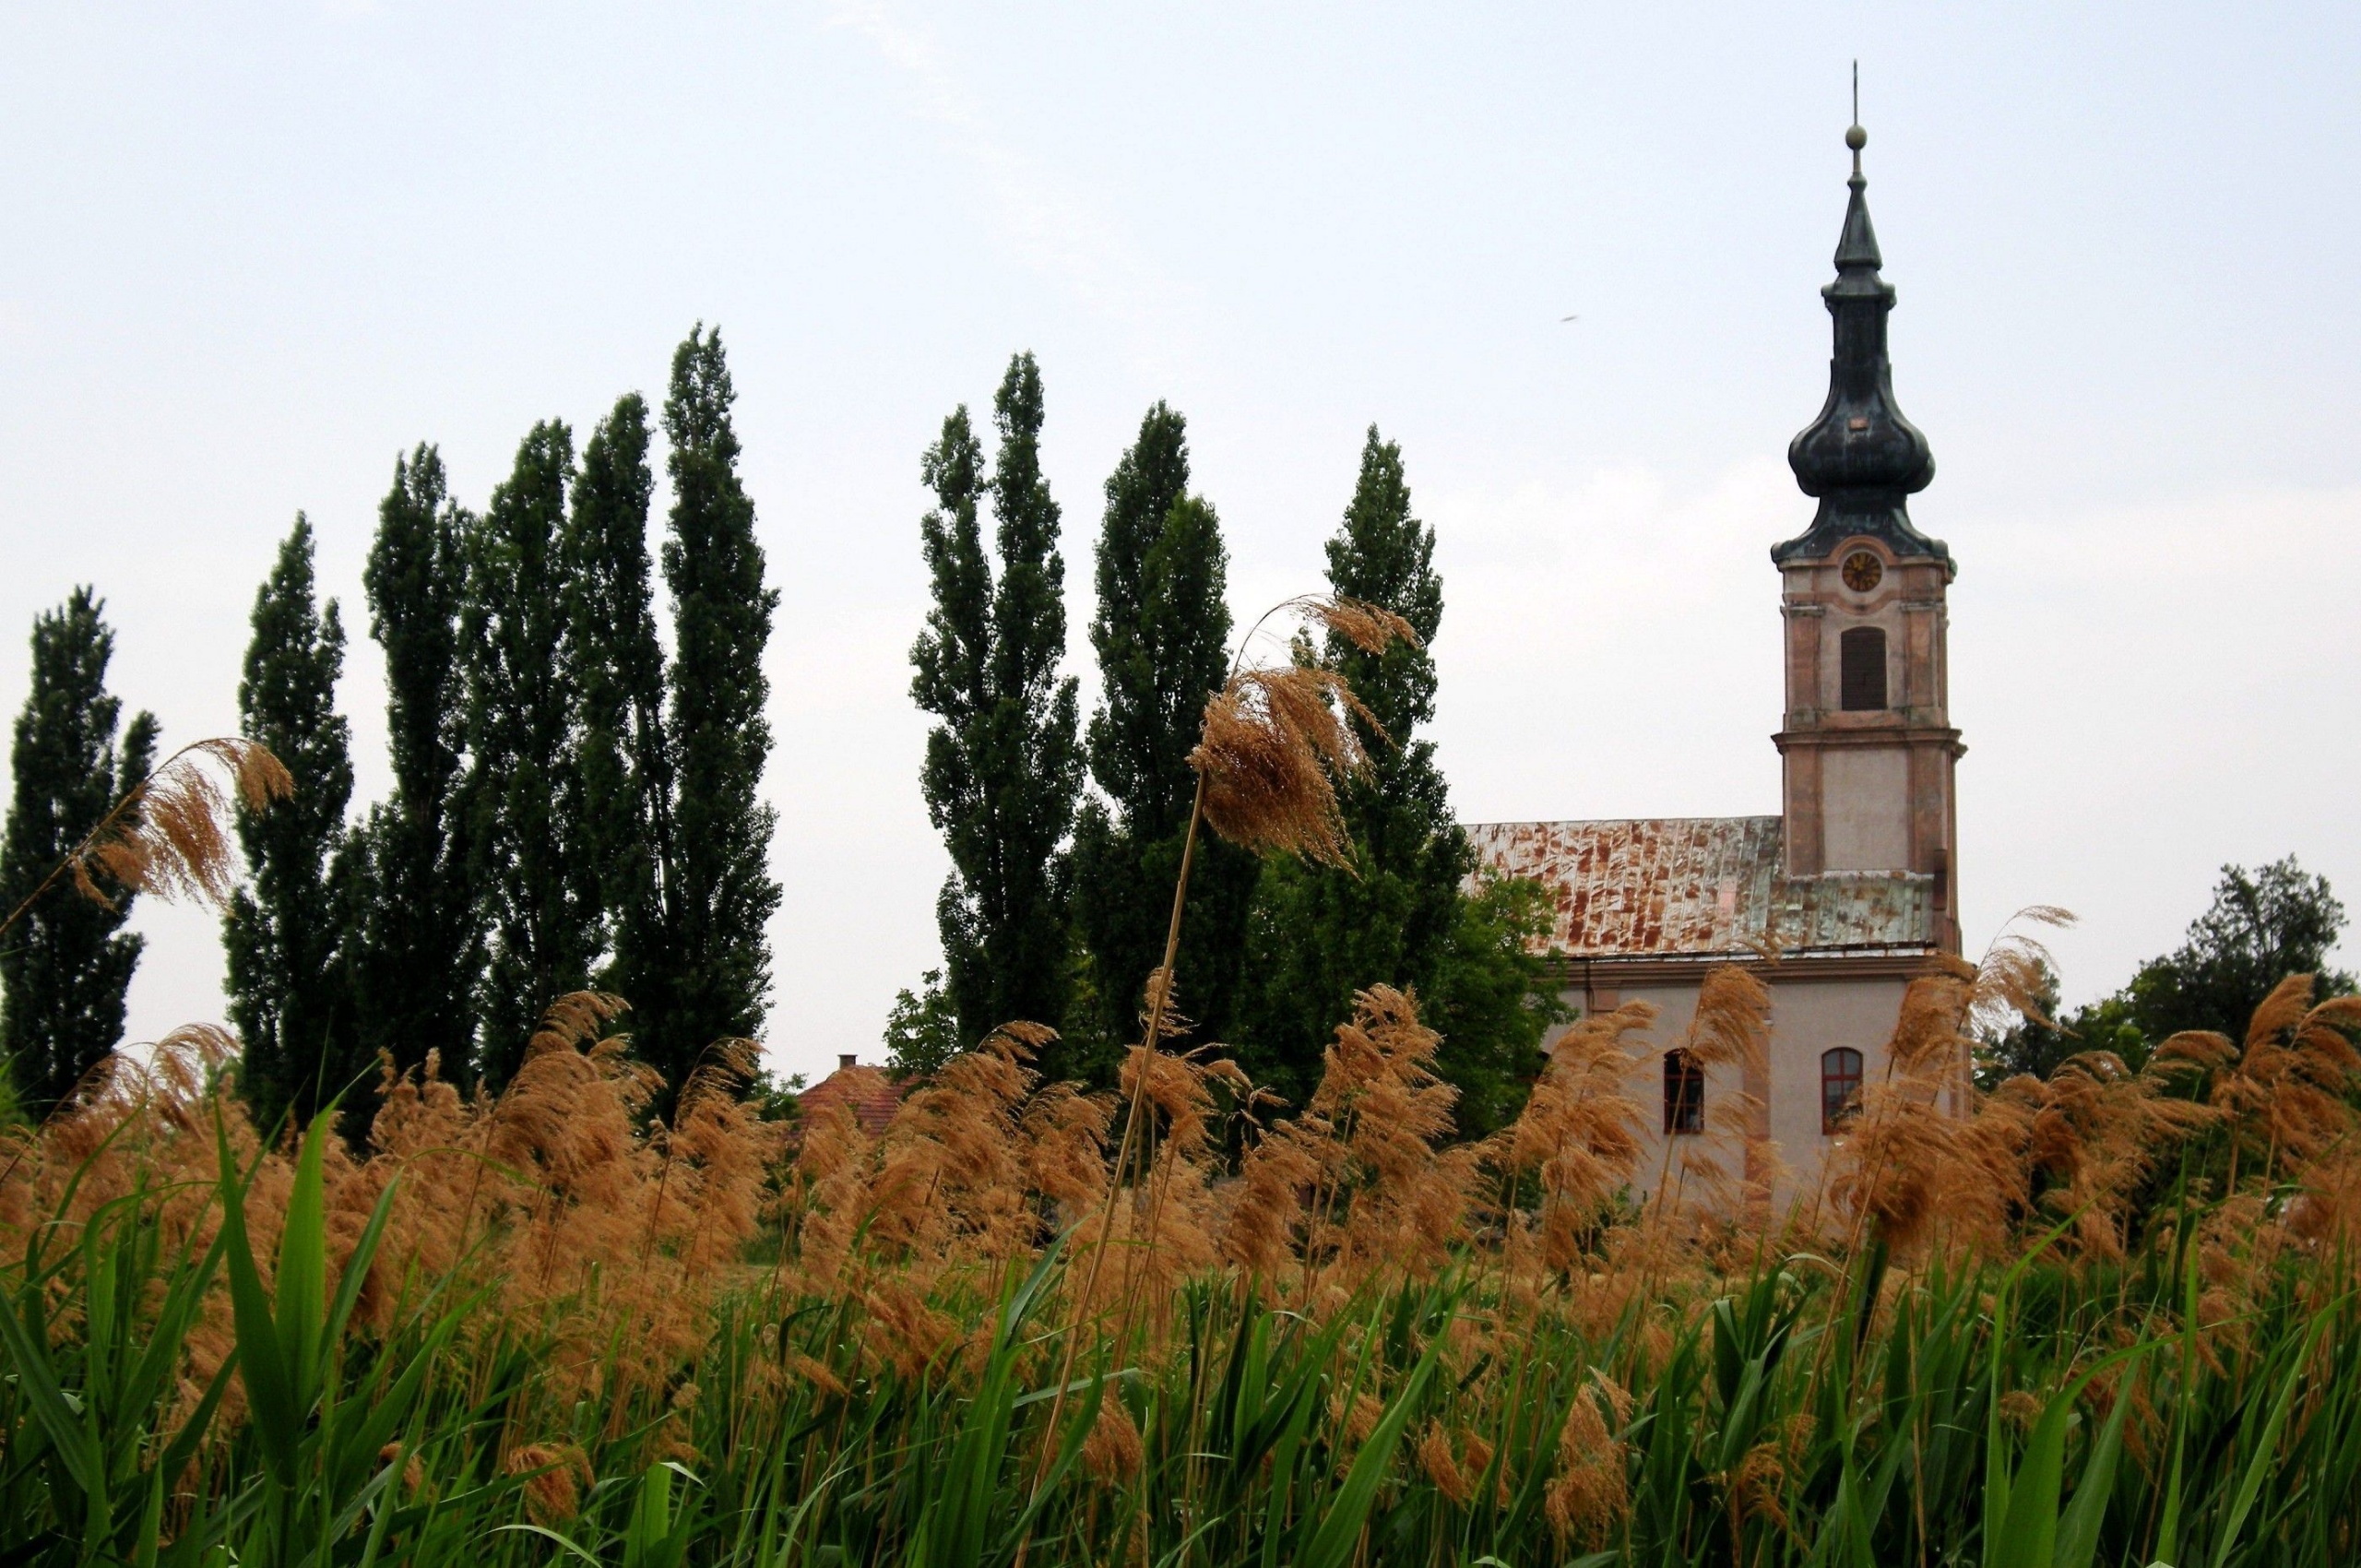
<point x="1863" y="571"/>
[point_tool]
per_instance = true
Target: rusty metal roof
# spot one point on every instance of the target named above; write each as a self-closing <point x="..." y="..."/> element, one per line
<point x="1674" y="886"/>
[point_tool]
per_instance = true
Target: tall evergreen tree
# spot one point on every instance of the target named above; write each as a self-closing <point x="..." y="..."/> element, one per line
<point x="532" y="873"/>
<point x="66" y="962"/>
<point x="421" y="943"/>
<point x="290" y="994"/>
<point x="1162" y="636"/>
<point x="624" y="759"/>
<point x="720" y="890"/>
<point x="1400" y="916"/>
<point x="1004" y="766"/>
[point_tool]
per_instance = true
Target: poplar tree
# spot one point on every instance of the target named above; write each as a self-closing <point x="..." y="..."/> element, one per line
<point x="66" y="962"/>
<point x="291" y="996"/>
<point x="624" y="759"/>
<point x="1402" y="914"/>
<point x="1161" y="635"/>
<point x="420" y="943"/>
<point x="720" y="891"/>
<point x="532" y="873"/>
<point x="1003" y="766"/>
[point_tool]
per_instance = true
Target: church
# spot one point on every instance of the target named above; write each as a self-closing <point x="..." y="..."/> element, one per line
<point x="1854" y="884"/>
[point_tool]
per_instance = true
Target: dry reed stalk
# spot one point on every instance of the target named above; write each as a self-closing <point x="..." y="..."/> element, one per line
<point x="2288" y="1086"/>
<point x="1275" y="745"/>
<point x="1404" y="1199"/>
<point x="1271" y="759"/>
<point x="1112" y="1452"/>
<point x="1439" y="1459"/>
<point x="1729" y="1029"/>
<point x="171" y="833"/>
<point x="1266" y="1217"/>
<point x="1579" y="1131"/>
<point x="554" y="1475"/>
<point x="1592" y="1493"/>
<point x="2097" y="1130"/>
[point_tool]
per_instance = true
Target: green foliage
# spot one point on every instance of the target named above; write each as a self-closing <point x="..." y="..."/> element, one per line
<point x="2034" y="1047"/>
<point x="568" y="808"/>
<point x="420" y="946"/>
<point x="1399" y="916"/>
<point x="624" y="756"/>
<point x="531" y="867"/>
<point x="922" y="1029"/>
<point x="718" y="896"/>
<point x="66" y="961"/>
<point x="1003" y="766"/>
<point x="1162" y="629"/>
<point x="2261" y="927"/>
<point x="285" y="934"/>
<point x="1162" y="636"/>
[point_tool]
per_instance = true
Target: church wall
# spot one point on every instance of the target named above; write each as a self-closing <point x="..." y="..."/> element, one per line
<point x="1864" y="809"/>
<point x="1807" y="1019"/>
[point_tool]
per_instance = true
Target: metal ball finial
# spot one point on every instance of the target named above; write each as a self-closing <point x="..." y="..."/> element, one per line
<point x="1856" y="137"/>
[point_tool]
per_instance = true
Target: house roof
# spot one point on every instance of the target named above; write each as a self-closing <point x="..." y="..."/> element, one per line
<point x="1702" y="886"/>
<point x="872" y="1096"/>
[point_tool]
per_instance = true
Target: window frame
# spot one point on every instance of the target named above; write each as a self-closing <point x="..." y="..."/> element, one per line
<point x="1834" y="1117"/>
<point x="1858" y="671"/>
<point x="1684" y="1091"/>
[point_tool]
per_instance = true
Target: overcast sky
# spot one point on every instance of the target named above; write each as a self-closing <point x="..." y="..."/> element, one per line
<point x="254" y="251"/>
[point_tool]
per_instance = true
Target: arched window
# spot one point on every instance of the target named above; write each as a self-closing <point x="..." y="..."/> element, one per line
<point x="1860" y="667"/>
<point x="1839" y="1088"/>
<point x="1684" y="1093"/>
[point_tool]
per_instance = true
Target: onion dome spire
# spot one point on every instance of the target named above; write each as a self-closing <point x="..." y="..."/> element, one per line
<point x="1861" y="457"/>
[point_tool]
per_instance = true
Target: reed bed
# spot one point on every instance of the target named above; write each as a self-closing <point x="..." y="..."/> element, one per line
<point x="2110" y="1318"/>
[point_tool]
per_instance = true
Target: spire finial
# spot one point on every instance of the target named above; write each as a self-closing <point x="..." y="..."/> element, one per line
<point x="1856" y="137"/>
<point x="1861" y="457"/>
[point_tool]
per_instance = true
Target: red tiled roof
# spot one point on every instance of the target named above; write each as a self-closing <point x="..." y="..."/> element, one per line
<point x="1666" y="886"/>
<point x="872" y="1096"/>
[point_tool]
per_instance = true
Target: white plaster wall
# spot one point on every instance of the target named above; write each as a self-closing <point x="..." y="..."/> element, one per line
<point x="1865" y="808"/>
<point x="1675" y="1005"/>
<point x="1806" y="1018"/>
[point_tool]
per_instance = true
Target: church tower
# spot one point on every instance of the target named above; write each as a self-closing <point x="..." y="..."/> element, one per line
<point x="1867" y="744"/>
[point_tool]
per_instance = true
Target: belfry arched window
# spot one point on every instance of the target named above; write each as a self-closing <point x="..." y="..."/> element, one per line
<point x="1684" y="1093"/>
<point x="1860" y="667"/>
<point x="1839" y="1088"/>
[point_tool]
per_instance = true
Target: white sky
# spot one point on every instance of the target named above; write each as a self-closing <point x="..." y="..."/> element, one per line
<point x="256" y="250"/>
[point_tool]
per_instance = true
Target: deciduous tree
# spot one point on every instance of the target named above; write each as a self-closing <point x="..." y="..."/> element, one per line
<point x="1403" y="914"/>
<point x="720" y="891"/>
<point x="1161" y="635"/>
<point x="421" y="940"/>
<point x="532" y="869"/>
<point x="285" y="934"/>
<point x="66" y="961"/>
<point x="624" y="756"/>
<point x="1003" y="766"/>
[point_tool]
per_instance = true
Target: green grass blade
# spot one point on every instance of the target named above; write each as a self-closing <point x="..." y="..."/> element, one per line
<point x="2266" y="1446"/>
<point x="270" y="1396"/>
<point x="1332" y="1546"/>
<point x="37" y="1379"/>
<point x="2078" y="1533"/>
<point x="302" y="1276"/>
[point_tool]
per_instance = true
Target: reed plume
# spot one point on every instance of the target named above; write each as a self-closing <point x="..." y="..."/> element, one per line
<point x="1580" y="1130"/>
<point x="171" y="834"/>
